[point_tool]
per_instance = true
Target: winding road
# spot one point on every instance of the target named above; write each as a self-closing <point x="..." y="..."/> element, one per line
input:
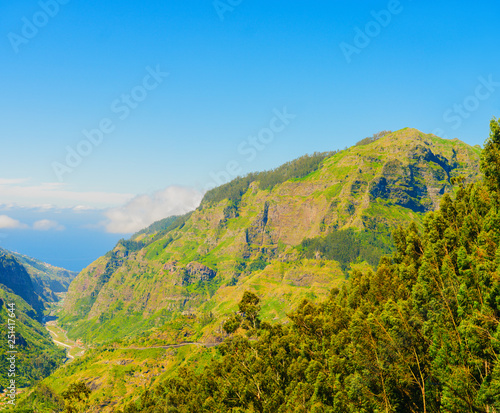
<point x="60" y="338"/>
<point x="170" y="346"/>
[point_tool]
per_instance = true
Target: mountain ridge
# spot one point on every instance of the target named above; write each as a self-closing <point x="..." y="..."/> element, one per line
<point x="47" y="279"/>
<point x="36" y="355"/>
<point x="200" y="265"/>
<point x="16" y="279"/>
<point x="282" y="237"/>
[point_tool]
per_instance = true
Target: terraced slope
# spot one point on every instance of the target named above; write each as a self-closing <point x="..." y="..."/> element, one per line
<point x="196" y="268"/>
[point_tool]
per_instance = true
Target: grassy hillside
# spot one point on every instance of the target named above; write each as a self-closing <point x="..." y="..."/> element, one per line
<point x="200" y="263"/>
<point x="47" y="279"/>
<point x="290" y="238"/>
<point x="419" y="334"/>
<point x="114" y="376"/>
<point x="15" y="278"/>
<point x="21" y="311"/>
<point x="37" y="356"/>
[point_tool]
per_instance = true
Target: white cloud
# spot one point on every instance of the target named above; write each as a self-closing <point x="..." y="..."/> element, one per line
<point x="143" y="210"/>
<point x="7" y="222"/>
<point x="82" y="208"/>
<point x="47" y="225"/>
<point x="20" y="192"/>
<point x="4" y="181"/>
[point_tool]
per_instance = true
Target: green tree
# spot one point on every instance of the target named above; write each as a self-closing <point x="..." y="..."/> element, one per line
<point x="490" y="160"/>
<point x="76" y="397"/>
<point x="249" y="307"/>
<point x="420" y="334"/>
<point x="248" y="316"/>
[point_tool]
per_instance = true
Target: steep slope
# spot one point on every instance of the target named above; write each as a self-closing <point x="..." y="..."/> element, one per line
<point x="21" y="313"/>
<point x="420" y="334"/>
<point x="37" y="356"/>
<point x="21" y="309"/>
<point x="249" y="234"/>
<point x="47" y="279"/>
<point x="15" y="278"/>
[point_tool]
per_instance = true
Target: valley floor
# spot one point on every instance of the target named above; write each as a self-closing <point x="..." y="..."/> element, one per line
<point x="60" y="338"/>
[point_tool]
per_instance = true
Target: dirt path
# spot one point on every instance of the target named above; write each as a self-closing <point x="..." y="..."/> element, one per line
<point x="60" y="338"/>
<point x="170" y="346"/>
<point x="64" y="345"/>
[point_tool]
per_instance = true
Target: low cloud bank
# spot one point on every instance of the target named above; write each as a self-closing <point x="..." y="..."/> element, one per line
<point x="7" y="222"/>
<point x="143" y="210"/>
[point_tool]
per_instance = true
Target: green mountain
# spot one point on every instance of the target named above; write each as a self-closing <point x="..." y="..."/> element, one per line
<point x="287" y="234"/>
<point x="419" y="334"/>
<point x="26" y="285"/>
<point x="15" y="278"/>
<point x="21" y="309"/>
<point x="47" y="279"/>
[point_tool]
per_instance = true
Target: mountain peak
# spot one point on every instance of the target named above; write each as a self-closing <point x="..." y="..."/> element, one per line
<point x="254" y="228"/>
<point x="403" y="138"/>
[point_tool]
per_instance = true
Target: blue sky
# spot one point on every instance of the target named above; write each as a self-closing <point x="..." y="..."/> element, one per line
<point x="178" y="90"/>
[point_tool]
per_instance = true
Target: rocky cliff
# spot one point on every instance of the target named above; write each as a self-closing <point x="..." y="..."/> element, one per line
<point x="252" y="238"/>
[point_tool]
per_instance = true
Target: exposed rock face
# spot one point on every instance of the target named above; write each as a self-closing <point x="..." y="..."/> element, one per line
<point x="402" y="184"/>
<point x="256" y="233"/>
<point x="197" y="272"/>
<point x="374" y="187"/>
<point x="170" y="266"/>
<point x="416" y="182"/>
